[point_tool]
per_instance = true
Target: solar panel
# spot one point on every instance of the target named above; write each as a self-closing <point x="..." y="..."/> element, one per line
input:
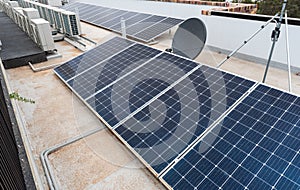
<point x="91" y="13"/>
<point x="92" y="57"/>
<point x="98" y="15"/>
<point x="170" y="123"/>
<point x="137" y="27"/>
<point x="92" y="80"/>
<point x="131" y="21"/>
<point x="110" y="23"/>
<point x="193" y="126"/>
<point x="112" y="103"/>
<point x="156" y="29"/>
<point x="110" y="16"/>
<point x="144" y="27"/>
<point x="257" y="146"/>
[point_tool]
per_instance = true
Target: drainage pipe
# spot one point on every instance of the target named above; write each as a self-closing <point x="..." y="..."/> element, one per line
<point x="46" y="163"/>
<point x="42" y="68"/>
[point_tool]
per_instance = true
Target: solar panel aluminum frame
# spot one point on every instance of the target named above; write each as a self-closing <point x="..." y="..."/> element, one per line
<point x="186" y="150"/>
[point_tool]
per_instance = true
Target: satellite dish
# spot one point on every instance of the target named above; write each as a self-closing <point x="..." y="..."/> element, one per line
<point x="190" y="38"/>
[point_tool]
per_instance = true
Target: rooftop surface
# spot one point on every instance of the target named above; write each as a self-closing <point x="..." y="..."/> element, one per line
<point x="99" y="161"/>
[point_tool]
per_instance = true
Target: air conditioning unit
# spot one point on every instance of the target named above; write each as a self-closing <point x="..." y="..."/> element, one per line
<point x="71" y="23"/>
<point x="9" y="10"/>
<point x="42" y="34"/>
<point x="58" y="23"/>
<point x="30" y="13"/>
<point x="54" y="3"/>
<point x="13" y="3"/>
<point x="19" y="17"/>
<point x="51" y="16"/>
<point x="44" y="11"/>
<point x="15" y="14"/>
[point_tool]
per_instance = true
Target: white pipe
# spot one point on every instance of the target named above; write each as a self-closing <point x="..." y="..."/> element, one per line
<point x="123" y="28"/>
<point x="288" y="51"/>
<point x="43" y="68"/>
<point x="46" y="163"/>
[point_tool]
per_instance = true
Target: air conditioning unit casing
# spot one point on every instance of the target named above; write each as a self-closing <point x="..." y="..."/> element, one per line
<point x="30" y="13"/>
<point x="58" y="23"/>
<point x="42" y="34"/>
<point x="71" y="23"/>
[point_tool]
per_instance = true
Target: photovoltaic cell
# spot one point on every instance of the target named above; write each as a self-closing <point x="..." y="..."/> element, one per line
<point x="257" y="146"/>
<point x="144" y="27"/>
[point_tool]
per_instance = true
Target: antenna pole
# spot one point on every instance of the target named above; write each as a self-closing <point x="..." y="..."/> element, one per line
<point x="288" y="51"/>
<point x="246" y="41"/>
<point x="274" y="37"/>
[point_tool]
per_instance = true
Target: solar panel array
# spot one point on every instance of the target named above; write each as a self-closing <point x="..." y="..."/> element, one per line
<point x="193" y="126"/>
<point x="144" y="27"/>
<point x="256" y="146"/>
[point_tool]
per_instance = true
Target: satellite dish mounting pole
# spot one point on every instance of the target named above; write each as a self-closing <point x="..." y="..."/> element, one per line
<point x="288" y="51"/>
<point x="274" y="37"/>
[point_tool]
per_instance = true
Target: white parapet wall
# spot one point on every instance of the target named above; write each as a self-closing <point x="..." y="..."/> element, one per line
<point x="228" y="33"/>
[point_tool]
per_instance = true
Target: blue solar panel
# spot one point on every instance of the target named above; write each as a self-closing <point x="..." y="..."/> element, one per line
<point x="90" y="58"/>
<point x="93" y="80"/>
<point x="92" y="13"/>
<point x="111" y="15"/>
<point x="144" y="27"/>
<point x="157" y="29"/>
<point x="168" y="125"/>
<point x="117" y="20"/>
<point x="137" y="27"/>
<point x="73" y="6"/>
<point x="131" y="21"/>
<point x="257" y="146"/>
<point x="84" y="9"/>
<point x="155" y="76"/>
